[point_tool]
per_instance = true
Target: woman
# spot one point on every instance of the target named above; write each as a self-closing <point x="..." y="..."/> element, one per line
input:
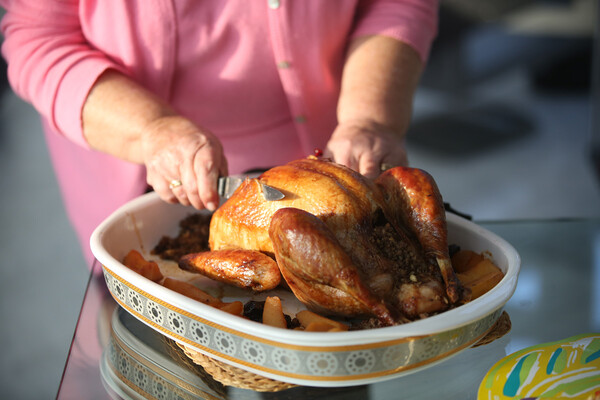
<point x="173" y="94"/>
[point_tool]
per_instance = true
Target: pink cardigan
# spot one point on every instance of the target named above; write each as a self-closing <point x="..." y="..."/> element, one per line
<point x="56" y="49"/>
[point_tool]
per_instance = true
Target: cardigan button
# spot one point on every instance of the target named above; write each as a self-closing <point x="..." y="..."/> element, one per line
<point x="274" y="4"/>
<point x="283" y="64"/>
<point x="300" y="119"/>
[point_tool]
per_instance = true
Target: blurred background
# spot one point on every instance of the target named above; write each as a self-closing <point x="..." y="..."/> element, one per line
<point x="505" y="119"/>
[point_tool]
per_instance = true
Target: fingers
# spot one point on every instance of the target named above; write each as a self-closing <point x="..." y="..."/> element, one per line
<point x="365" y="150"/>
<point x="208" y="170"/>
<point x="187" y="193"/>
<point x="163" y="181"/>
<point x="198" y="185"/>
<point x="163" y="190"/>
<point x="183" y="164"/>
<point x="369" y="165"/>
<point x="363" y="161"/>
<point x="372" y="164"/>
<point x="341" y="154"/>
<point x="199" y="174"/>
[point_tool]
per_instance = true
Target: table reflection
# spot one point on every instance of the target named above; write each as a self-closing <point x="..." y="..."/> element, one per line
<point x="557" y="295"/>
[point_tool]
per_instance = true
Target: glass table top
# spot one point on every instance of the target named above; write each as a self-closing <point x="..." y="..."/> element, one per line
<point x="556" y="298"/>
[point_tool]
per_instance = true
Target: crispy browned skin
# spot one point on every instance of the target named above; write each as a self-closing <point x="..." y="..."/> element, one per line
<point x="243" y="268"/>
<point x="417" y="205"/>
<point x="337" y="195"/>
<point x="318" y="270"/>
<point x="390" y="232"/>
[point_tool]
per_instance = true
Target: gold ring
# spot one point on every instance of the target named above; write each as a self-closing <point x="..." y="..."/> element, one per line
<point x="385" y="166"/>
<point x="175" y="183"/>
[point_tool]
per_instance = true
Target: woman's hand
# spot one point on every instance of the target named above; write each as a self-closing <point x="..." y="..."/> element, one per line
<point x="366" y="147"/>
<point x="183" y="162"/>
<point x="374" y="109"/>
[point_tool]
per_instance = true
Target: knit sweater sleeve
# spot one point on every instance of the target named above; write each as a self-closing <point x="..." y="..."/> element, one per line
<point x="50" y="63"/>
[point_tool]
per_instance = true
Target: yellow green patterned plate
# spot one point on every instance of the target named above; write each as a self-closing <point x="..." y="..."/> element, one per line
<point x="566" y="369"/>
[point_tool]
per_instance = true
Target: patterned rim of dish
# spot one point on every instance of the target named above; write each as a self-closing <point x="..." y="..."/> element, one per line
<point x="314" y="365"/>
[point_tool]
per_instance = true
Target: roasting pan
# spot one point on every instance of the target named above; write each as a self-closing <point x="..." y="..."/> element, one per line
<point x="305" y="358"/>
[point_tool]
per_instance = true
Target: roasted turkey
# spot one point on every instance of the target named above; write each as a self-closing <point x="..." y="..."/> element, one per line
<point x="344" y="244"/>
